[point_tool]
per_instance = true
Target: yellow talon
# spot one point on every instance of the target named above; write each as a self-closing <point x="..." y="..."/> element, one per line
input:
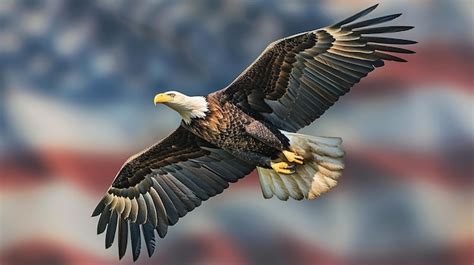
<point x="293" y="157"/>
<point x="283" y="167"/>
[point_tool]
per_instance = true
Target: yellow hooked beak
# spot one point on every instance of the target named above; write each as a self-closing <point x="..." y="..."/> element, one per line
<point x="162" y="98"/>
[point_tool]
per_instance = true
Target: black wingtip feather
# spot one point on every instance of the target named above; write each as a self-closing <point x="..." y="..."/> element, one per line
<point x="111" y="228"/>
<point x="356" y="16"/>
<point x="389" y="57"/>
<point x="103" y="220"/>
<point x="379" y="63"/>
<point x="171" y="211"/>
<point x="370" y="22"/>
<point x="385" y="40"/>
<point x="99" y="208"/>
<point x="135" y="239"/>
<point x="389" y="49"/>
<point x="162" y="230"/>
<point x="143" y="211"/>
<point x="388" y="29"/>
<point x="123" y="238"/>
<point x="149" y="236"/>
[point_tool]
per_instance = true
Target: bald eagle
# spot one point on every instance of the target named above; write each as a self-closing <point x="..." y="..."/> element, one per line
<point x="252" y="123"/>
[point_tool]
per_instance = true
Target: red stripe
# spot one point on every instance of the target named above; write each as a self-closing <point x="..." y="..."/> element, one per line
<point x="91" y="170"/>
<point x="95" y="172"/>
<point x="46" y="251"/>
<point x="441" y="64"/>
<point x="463" y="252"/>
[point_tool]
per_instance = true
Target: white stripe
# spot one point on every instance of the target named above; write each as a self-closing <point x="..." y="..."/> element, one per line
<point x="46" y="121"/>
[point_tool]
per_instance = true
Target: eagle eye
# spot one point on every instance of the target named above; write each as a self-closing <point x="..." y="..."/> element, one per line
<point x="171" y="94"/>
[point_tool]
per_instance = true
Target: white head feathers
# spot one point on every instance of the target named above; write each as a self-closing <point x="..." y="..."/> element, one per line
<point x="188" y="107"/>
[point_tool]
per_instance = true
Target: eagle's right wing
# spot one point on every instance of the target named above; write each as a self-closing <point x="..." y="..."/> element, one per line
<point x="157" y="186"/>
<point x="296" y="79"/>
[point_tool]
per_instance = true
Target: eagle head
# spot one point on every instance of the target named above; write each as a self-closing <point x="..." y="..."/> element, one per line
<point x="188" y="107"/>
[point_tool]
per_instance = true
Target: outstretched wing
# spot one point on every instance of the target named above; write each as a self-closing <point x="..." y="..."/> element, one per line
<point x="296" y="79"/>
<point x="156" y="187"/>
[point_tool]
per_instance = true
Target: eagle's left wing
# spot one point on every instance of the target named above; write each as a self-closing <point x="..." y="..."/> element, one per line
<point x="296" y="79"/>
<point x="156" y="187"/>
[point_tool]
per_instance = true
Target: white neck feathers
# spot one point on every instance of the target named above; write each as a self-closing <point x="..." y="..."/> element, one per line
<point x="189" y="107"/>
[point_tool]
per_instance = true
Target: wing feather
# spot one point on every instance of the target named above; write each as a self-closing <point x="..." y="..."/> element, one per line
<point x="135" y="240"/>
<point x="355" y="17"/>
<point x="134" y="210"/>
<point x="103" y="220"/>
<point x="111" y="228"/>
<point x="162" y="227"/>
<point x="149" y="237"/>
<point x="123" y="237"/>
<point x="142" y="211"/>
<point x="170" y="209"/>
<point x="162" y="184"/>
<point x="296" y="79"/>
<point x="151" y="209"/>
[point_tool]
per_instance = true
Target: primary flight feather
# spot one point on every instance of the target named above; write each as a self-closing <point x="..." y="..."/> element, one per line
<point x="252" y="123"/>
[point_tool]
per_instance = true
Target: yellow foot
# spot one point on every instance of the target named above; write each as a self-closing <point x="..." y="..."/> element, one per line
<point x="283" y="167"/>
<point x="293" y="157"/>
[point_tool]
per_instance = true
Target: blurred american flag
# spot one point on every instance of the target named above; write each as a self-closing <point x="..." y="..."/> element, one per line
<point x="77" y="80"/>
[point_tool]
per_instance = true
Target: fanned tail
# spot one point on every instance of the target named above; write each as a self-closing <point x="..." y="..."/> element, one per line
<point x="322" y="167"/>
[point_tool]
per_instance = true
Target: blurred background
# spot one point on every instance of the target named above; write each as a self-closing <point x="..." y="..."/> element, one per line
<point x="77" y="79"/>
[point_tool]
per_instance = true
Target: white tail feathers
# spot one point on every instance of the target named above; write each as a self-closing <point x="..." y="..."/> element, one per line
<point x="322" y="167"/>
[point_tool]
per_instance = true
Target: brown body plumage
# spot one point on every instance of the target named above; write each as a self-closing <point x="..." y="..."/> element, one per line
<point x="231" y="129"/>
<point x="249" y="124"/>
